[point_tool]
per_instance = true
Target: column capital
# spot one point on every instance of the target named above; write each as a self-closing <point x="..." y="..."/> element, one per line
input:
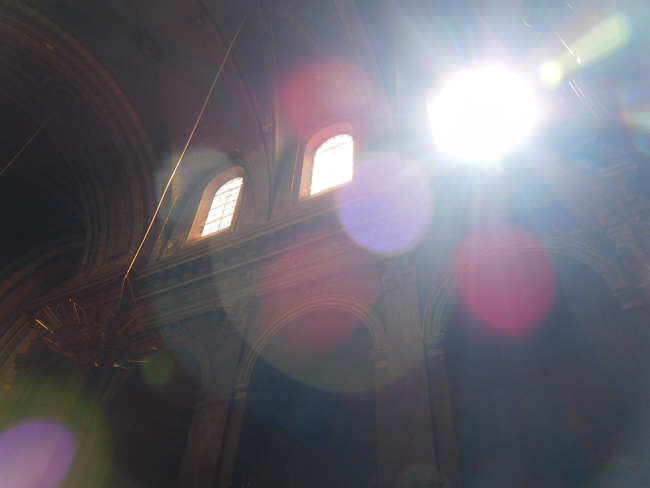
<point x="397" y="272"/>
<point x="379" y="357"/>
<point x="433" y="345"/>
<point x="236" y="313"/>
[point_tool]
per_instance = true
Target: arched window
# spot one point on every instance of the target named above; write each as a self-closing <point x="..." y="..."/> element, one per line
<point x="329" y="160"/>
<point x="223" y="207"/>
<point x="219" y="203"/>
<point x="332" y="163"/>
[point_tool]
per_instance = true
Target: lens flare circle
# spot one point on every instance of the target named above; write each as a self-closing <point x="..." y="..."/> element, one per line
<point x="636" y="113"/>
<point x="642" y="143"/>
<point x="315" y="349"/>
<point x="35" y="455"/>
<point x="158" y="369"/>
<point x="322" y="88"/>
<point x="511" y="289"/>
<point x="483" y="113"/>
<point x="386" y="205"/>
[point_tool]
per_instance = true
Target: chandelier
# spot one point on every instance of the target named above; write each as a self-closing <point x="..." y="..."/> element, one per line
<point x="95" y="336"/>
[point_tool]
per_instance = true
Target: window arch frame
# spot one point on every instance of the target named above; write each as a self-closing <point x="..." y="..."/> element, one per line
<point x="203" y="209"/>
<point x="312" y="146"/>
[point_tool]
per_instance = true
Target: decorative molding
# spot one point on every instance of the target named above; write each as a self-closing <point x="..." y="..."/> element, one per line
<point x="207" y="290"/>
<point x="302" y="259"/>
<point x="260" y="273"/>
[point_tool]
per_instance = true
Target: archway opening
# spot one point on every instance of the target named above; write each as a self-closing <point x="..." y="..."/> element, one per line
<point x="559" y="407"/>
<point x="149" y="421"/>
<point x="310" y="415"/>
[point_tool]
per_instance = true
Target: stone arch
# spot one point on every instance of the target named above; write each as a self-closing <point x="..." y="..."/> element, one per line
<point x="444" y="296"/>
<point x="112" y="187"/>
<point x="340" y="302"/>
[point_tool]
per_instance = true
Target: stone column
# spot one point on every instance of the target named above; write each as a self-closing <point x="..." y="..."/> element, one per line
<point x="204" y="442"/>
<point x="405" y="444"/>
<point x="443" y="422"/>
<point x="207" y="432"/>
<point x="379" y="357"/>
<point x="231" y="443"/>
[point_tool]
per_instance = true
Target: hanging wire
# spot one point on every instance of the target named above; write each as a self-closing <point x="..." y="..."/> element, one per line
<point x="165" y="222"/>
<point x="180" y="159"/>
<point x="25" y="146"/>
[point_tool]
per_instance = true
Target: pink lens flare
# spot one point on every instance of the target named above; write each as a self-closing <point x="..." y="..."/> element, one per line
<point x="511" y="287"/>
<point x="35" y="455"/>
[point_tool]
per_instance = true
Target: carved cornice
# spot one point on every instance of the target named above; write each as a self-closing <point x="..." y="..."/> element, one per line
<point x="288" y="248"/>
<point x="209" y="257"/>
<point x="211" y="289"/>
<point x="246" y="277"/>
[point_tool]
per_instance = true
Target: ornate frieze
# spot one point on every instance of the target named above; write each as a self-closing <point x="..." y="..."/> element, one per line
<point x="260" y="273"/>
<point x="308" y="257"/>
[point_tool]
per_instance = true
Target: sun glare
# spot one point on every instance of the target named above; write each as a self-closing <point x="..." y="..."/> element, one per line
<point x="551" y="74"/>
<point x="481" y="114"/>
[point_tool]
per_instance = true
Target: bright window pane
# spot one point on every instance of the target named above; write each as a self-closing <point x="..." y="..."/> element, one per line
<point x="223" y="207"/>
<point x="332" y="163"/>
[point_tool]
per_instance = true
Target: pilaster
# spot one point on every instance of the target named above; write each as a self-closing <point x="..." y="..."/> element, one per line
<point x="443" y="423"/>
<point x="206" y="437"/>
<point x="406" y="454"/>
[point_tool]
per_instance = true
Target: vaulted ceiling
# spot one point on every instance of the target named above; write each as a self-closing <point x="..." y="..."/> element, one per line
<point x="116" y="87"/>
